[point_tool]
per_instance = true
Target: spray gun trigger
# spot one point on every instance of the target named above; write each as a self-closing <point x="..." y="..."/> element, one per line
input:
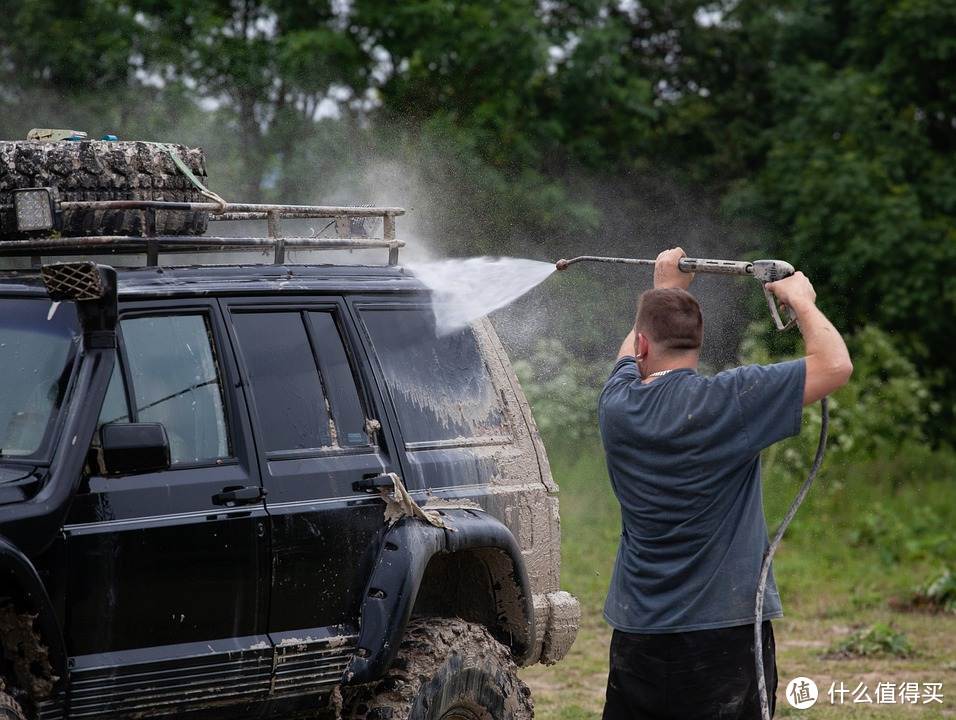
<point x="772" y="304"/>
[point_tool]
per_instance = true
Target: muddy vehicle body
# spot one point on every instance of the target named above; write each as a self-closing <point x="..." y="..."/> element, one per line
<point x="254" y="490"/>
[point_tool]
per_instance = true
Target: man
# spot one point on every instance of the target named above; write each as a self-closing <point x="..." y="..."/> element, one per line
<point x="683" y="454"/>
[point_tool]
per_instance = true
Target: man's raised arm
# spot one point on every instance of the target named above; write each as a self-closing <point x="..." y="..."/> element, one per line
<point x="828" y="361"/>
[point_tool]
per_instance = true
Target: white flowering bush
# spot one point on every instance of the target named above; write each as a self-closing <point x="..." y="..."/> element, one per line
<point x="563" y="392"/>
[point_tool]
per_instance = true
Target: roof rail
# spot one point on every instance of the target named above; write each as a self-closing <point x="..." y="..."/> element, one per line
<point x="152" y="244"/>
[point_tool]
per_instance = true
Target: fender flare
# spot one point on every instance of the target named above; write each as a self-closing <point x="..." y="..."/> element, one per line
<point x="406" y="548"/>
<point x="18" y="564"/>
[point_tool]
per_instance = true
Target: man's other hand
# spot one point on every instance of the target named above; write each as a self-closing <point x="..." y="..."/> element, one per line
<point x="795" y="291"/>
<point x="666" y="272"/>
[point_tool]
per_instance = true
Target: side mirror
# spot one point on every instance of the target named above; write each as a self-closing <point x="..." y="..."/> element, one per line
<point x="130" y="448"/>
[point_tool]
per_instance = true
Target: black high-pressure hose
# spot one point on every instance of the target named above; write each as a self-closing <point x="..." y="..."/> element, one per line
<point x="725" y="267"/>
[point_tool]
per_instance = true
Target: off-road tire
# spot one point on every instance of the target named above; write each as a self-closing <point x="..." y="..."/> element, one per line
<point x="25" y="657"/>
<point x="10" y="709"/>
<point x="100" y="170"/>
<point x="444" y="667"/>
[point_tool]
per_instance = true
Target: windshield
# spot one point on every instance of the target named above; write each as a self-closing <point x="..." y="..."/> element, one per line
<point x="36" y="347"/>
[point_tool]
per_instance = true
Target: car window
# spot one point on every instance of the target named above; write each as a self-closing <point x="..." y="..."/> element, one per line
<point x="339" y="381"/>
<point x="175" y="380"/>
<point x="115" y="408"/>
<point x="302" y="383"/>
<point x="37" y="341"/>
<point x="440" y="385"/>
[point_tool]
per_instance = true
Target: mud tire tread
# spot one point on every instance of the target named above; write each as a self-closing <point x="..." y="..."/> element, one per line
<point x="22" y="647"/>
<point x="100" y="170"/>
<point x="431" y="654"/>
<point x="10" y="709"/>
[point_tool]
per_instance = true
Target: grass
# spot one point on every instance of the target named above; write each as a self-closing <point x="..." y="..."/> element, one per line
<point x="867" y="538"/>
<point x="874" y="641"/>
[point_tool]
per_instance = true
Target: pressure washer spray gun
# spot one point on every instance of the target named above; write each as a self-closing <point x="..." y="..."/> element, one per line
<point x="766" y="271"/>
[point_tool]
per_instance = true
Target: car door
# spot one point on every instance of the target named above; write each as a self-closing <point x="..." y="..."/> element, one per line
<point x="454" y="429"/>
<point x="167" y="586"/>
<point x="317" y="429"/>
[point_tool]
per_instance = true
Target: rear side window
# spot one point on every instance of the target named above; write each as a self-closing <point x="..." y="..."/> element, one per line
<point x="440" y="385"/>
<point x="174" y="376"/>
<point x="302" y="383"/>
<point x="338" y="379"/>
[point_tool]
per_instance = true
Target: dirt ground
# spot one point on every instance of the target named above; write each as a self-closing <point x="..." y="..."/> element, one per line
<point x="830" y="587"/>
<point x="574" y="689"/>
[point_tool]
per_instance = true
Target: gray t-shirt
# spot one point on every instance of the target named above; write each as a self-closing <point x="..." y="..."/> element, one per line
<point x="683" y="453"/>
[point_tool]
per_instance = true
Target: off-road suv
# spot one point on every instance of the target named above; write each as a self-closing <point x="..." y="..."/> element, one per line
<point x="253" y="490"/>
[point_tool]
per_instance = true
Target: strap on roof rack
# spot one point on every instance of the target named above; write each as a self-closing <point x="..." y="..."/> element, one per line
<point x="184" y="169"/>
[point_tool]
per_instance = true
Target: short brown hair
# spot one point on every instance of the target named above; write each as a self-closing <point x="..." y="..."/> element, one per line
<point x="671" y="318"/>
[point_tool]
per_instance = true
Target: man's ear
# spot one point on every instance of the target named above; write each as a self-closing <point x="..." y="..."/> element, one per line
<point x="642" y="345"/>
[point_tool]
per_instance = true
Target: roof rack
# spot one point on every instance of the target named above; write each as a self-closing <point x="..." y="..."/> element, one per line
<point x="152" y="244"/>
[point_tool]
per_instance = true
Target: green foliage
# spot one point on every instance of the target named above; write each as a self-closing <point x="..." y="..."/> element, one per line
<point x="881" y="413"/>
<point x="67" y="45"/>
<point x="939" y="591"/>
<point x="562" y="391"/>
<point x="853" y="177"/>
<point x="886" y="405"/>
<point x="920" y="533"/>
<point x="848" y="177"/>
<point x="475" y="63"/>
<point x="880" y="639"/>
<point x="826" y="128"/>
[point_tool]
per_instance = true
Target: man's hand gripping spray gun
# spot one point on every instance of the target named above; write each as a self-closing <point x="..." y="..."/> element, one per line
<point x="766" y="271"/>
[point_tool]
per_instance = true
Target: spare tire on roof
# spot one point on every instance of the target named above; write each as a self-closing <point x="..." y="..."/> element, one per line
<point x="104" y="170"/>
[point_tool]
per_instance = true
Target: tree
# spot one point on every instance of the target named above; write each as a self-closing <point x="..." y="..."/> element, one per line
<point x="64" y="46"/>
<point x="857" y="181"/>
<point x="266" y="66"/>
<point x="826" y="128"/>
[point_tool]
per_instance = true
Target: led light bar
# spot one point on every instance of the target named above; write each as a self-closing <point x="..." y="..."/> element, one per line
<point x="35" y="209"/>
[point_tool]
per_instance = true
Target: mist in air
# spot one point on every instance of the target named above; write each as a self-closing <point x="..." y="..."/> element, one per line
<point x="453" y="211"/>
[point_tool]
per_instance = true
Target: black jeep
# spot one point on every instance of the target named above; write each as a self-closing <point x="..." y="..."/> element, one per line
<point x="251" y="490"/>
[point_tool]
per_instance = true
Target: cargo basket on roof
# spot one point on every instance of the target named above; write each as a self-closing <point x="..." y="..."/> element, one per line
<point x="37" y="209"/>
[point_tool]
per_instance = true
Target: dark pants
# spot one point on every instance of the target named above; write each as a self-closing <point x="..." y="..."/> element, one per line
<point x="704" y="674"/>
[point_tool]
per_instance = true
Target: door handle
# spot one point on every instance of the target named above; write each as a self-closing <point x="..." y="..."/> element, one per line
<point x="373" y="483"/>
<point x="238" y="495"/>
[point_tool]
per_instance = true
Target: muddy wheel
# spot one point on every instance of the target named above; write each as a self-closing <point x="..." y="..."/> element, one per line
<point x="10" y="708"/>
<point x="96" y="170"/>
<point x="445" y="670"/>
